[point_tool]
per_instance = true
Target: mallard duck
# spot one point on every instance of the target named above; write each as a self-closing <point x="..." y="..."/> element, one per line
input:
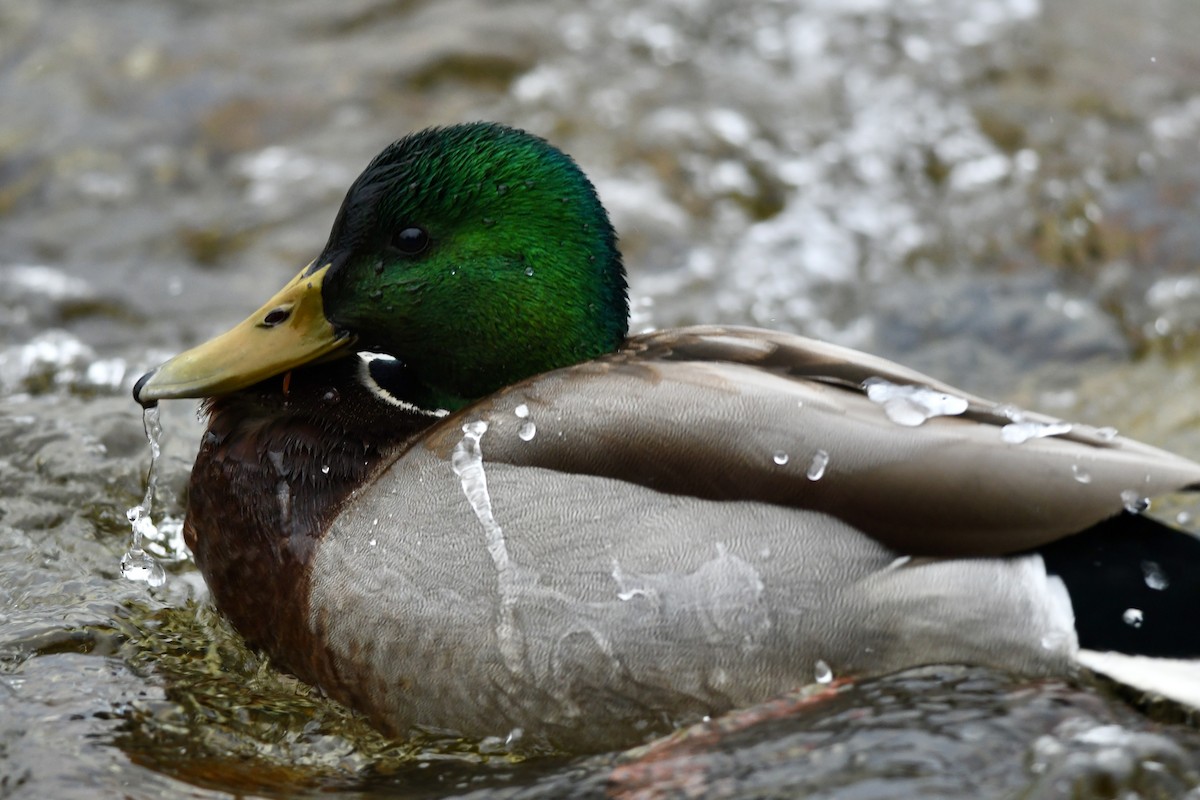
<point x="440" y="482"/>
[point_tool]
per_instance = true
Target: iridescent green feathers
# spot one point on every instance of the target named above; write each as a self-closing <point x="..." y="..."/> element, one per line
<point x="479" y="255"/>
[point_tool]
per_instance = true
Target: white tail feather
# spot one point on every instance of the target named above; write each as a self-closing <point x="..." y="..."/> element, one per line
<point x="1175" y="679"/>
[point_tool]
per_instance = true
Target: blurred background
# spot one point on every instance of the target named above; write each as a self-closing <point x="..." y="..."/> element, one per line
<point x="1002" y="193"/>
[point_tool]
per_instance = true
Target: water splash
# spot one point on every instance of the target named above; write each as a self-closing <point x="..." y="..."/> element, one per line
<point x="1021" y="432"/>
<point x="136" y="563"/>
<point x="495" y="745"/>
<point x="911" y="406"/>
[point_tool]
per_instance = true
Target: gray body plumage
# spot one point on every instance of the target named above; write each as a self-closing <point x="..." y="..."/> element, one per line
<point x="644" y="558"/>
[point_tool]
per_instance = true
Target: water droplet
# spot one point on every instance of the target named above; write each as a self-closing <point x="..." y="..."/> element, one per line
<point x="1107" y="434"/>
<point x="1155" y="578"/>
<point x="1010" y="412"/>
<point x="1134" y="502"/>
<point x="527" y="431"/>
<point x="1081" y="475"/>
<point x="1183" y="518"/>
<point x="911" y="406"/>
<point x="1133" y="617"/>
<point x="816" y="467"/>
<point x="529" y="272"/>
<point x="138" y="565"/>
<point x="780" y="457"/>
<point x="521" y="411"/>
<point x="1021" y="432"/>
<point x="325" y="469"/>
<point x="822" y="672"/>
<point x="372" y="543"/>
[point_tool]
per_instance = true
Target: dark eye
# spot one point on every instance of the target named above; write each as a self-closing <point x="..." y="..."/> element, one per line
<point x="410" y="241"/>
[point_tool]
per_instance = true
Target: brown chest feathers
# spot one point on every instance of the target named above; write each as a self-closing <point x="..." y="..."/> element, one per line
<point x="275" y="467"/>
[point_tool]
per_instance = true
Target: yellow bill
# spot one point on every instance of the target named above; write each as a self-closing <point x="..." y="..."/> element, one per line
<point x="290" y="330"/>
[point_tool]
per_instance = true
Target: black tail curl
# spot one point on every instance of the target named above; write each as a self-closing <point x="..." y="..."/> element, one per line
<point x="1134" y="584"/>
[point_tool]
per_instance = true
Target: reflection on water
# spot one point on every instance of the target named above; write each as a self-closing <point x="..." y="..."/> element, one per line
<point x="999" y="192"/>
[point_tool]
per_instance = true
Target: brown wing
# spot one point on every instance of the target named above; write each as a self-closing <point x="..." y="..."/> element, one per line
<point x="740" y="414"/>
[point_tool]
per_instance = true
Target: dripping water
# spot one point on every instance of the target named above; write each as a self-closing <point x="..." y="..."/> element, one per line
<point x="137" y="564"/>
<point x="467" y="462"/>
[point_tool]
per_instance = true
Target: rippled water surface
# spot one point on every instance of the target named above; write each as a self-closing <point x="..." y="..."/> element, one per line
<point x="1000" y="192"/>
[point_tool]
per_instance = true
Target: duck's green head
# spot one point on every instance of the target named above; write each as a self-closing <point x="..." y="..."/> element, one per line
<point x="476" y="254"/>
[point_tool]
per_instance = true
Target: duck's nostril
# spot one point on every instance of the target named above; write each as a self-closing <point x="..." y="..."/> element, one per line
<point x="275" y="316"/>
